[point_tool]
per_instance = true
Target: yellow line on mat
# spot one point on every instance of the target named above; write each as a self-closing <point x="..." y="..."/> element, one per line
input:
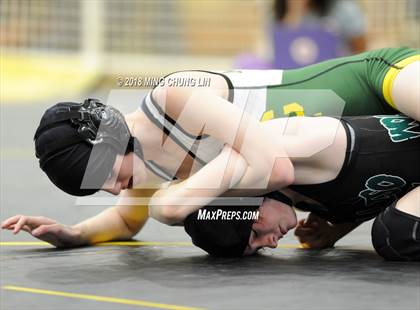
<point x="290" y="246"/>
<point x="131" y="243"/>
<point x="134" y="302"/>
<point x="116" y="243"/>
<point x="144" y="243"/>
<point x="23" y="243"/>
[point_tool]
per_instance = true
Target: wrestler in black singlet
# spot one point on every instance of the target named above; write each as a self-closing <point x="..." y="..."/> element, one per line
<point x="382" y="164"/>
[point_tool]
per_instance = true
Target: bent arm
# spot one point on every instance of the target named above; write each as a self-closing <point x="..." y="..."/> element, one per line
<point x="228" y="170"/>
<point x="205" y="112"/>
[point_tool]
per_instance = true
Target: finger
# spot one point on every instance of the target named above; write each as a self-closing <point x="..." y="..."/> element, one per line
<point x="309" y="222"/>
<point x="300" y="223"/>
<point x="19" y="224"/>
<point x="39" y="220"/>
<point x="306" y="238"/>
<point x="314" y="223"/>
<point x="313" y="218"/>
<point x="27" y="228"/>
<point x="40" y="230"/>
<point x="36" y="221"/>
<point x="44" y="229"/>
<point x="303" y="231"/>
<point x="10" y="221"/>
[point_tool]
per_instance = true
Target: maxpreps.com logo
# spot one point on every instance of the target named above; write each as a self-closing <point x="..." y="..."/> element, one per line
<point x="400" y="128"/>
<point x="221" y="214"/>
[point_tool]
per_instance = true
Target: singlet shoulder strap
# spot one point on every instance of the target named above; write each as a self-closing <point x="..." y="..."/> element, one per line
<point x="159" y="171"/>
<point x="157" y="116"/>
<point x="185" y="140"/>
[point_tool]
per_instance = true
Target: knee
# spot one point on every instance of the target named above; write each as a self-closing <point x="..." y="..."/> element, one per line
<point x="396" y="235"/>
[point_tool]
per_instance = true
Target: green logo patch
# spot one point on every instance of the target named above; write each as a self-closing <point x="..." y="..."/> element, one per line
<point x="400" y="128"/>
<point x="381" y="187"/>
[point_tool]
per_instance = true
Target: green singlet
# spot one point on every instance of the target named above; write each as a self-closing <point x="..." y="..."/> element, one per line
<point x="348" y="86"/>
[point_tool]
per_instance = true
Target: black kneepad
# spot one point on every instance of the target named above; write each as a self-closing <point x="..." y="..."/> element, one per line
<point x="396" y="235"/>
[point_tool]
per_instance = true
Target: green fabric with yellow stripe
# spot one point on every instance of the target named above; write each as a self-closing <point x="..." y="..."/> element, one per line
<point x="346" y="86"/>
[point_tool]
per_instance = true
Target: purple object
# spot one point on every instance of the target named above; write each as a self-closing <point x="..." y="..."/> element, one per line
<point x="250" y="61"/>
<point x="306" y="45"/>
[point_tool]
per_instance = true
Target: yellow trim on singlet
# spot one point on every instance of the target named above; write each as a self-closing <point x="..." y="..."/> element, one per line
<point x="392" y="74"/>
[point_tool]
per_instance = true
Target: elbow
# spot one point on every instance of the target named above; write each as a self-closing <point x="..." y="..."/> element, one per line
<point x="167" y="214"/>
<point x="283" y="174"/>
<point x="167" y="207"/>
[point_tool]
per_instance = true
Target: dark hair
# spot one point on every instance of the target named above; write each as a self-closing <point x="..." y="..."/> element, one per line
<point x="320" y="7"/>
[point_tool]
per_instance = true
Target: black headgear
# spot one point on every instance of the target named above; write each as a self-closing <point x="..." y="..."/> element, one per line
<point x="225" y="238"/>
<point x="64" y="144"/>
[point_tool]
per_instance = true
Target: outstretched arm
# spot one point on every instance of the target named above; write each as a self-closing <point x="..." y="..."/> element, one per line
<point x="120" y="222"/>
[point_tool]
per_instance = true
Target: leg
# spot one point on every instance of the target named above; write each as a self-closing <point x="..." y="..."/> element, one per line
<point x="410" y="203"/>
<point x="396" y="231"/>
<point x="406" y="90"/>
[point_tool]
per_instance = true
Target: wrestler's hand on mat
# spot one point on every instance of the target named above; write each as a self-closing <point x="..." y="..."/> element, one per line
<point x="315" y="232"/>
<point x="45" y="229"/>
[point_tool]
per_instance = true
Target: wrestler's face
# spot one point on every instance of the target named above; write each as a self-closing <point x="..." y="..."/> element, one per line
<point x="274" y="221"/>
<point x="127" y="172"/>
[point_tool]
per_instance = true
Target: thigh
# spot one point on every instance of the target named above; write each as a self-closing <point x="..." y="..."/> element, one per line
<point x="406" y="90"/>
<point x="410" y="202"/>
<point x="362" y="82"/>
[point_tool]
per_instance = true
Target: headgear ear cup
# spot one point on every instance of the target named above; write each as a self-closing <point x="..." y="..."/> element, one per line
<point x="67" y="125"/>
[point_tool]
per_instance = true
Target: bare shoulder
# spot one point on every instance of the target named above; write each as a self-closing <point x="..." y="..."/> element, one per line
<point x="174" y="93"/>
<point x="196" y="79"/>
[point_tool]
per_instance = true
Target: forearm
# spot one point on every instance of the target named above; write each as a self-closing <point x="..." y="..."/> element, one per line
<point x="266" y="158"/>
<point x="106" y="226"/>
<point x="172" y="204"/>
